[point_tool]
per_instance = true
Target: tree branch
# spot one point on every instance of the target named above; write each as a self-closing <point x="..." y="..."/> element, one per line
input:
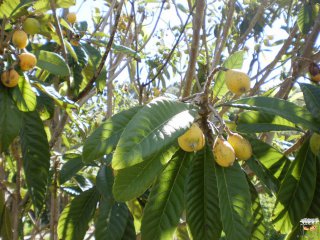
<point x="196" y="27"/>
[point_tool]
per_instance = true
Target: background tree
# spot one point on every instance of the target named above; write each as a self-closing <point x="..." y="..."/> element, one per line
<point x="91" y="114"/>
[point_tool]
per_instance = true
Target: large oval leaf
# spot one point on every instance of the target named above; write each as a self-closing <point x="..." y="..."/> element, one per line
<point x="166" y="201"/>
<point x="10" y="120"/>
<point x="24" y="96"/>
<point x="311" y="94"/>
<point x="156" y="126"/>
<point x="75" y="217"/>
<point x="105" y="138"/>
<point x="255" y="122"/>
<point x="234" y="202"/>
<point x="36" y="157"/>
<point x="53" y="63"/>
<point x="202" y="201"/>
<point x="133" y="181"/>
<point x="296" y="191"/>
<point x="280" y="107"/>
<point x="112" y="221"/>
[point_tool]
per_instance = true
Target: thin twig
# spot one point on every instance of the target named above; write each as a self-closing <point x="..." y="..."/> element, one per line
<point x="171" y="52"/>
<point x="223" y="39"/>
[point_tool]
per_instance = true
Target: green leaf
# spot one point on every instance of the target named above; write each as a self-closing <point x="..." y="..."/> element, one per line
<point x="36" y="157"/>
<point x="7" y="7"/>
<point x="129" y="232"/>
<point x="133" y="181"/>
<point x="93" y="63"/>
<point x="52" y="93"/>
<point x="166" y="201"/>
<point x="5" y="219"/>
<point x="44" y="5"/>
<point x="73" y="165"/>
<point x="70" y="49"/>
<point x="296" y="191"/>
<point x="314" y="210"/>
<point x="156" y="126"/>
<point x="10" y="120"/>
<point x="280" y="107"/>
<point x="24" y="96"/>
<point x="182" y="232"/>
<point x="274" y="161"/>
<point x="105" y="138"/>
<point x="112" y="221"/>
<point x="254" y="122"/>
<point x="202" y="202"/>
<point x="259" y="228"/>
<point x="45" y="106"/>
<point x="53" y="63"/>
<point x="234" y="61"/>
<point x="264" y="175"/>
<point x="75" y="217"/>
<point x="311" y="94"/>
<point x="104" y="182"/>
<point x="305" y="20"/>
<point x="234" y="202"/>
<point x="125" y="50"/>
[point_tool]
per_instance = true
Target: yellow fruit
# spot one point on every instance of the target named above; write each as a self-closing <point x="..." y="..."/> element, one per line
<point x="71" y="18"/>
<point x="315" y="143"/>
<point x="223" y="152"/>
<point x="192" y="140"/>
<point x="20" y="39"/>
<point x="31" y="26"/>
<point x="27" y="61"/>
<point x="241" y="146"/>
<point x="237" y="82"/>
<point x="316" y="78"/>
<point x="10" y="78"/>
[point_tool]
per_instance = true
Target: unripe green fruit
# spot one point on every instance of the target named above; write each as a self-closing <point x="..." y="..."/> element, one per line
<point x="31" y="26"/>
<point x="315" y="144"/>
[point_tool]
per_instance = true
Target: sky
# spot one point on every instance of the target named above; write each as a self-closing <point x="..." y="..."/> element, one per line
<point x="85" y="9"/>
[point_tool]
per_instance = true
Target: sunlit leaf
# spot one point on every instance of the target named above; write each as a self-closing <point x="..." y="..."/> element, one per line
<point x="166" y="201"/>
<point x="75" y="217"/>
<point x="296" y="191"/>
<point x="133" y="181"/>
<point x="105" y="138"/>
<point x="156" y="126"/>
<point x="253" y="122"/>
<point x="234" y="202"/>
<point x="288" y="110"/>
<point x="53" y="63"/>
<point x="24" y="96"/>
<point x="202" y="200"/>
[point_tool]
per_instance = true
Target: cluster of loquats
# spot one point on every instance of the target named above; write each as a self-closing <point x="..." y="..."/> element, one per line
<point x="25" y="60"/>
<point x="235" y="147"/>
<point x="225" y="152"/>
